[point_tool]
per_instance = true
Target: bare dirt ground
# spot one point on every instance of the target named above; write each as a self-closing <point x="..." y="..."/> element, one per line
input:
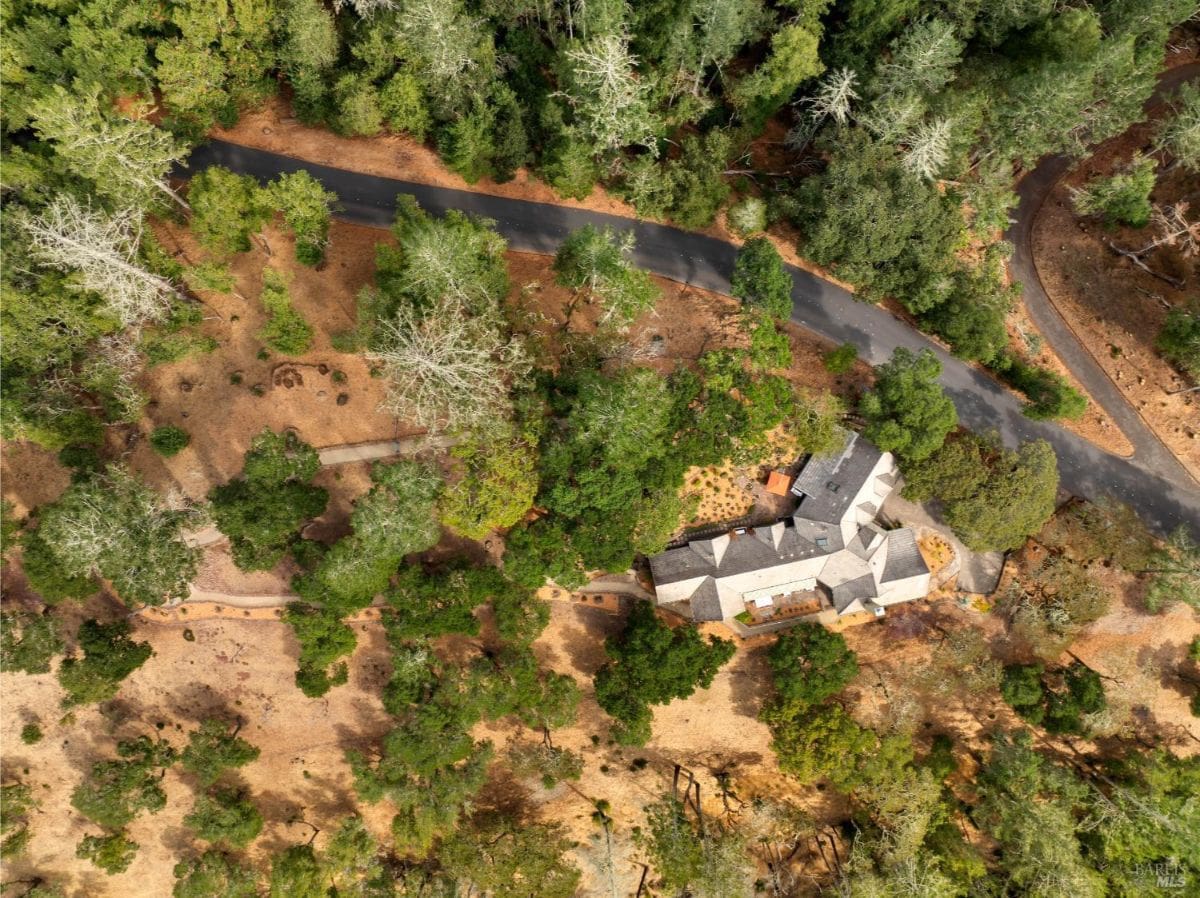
<point x="200" y="394"/>
<point x="1114" y="307"/>
<point x="30" y="476"/>
<point x="273" y="128"/>
<point x="233" y="669"/>
<point x="239" y="664"/>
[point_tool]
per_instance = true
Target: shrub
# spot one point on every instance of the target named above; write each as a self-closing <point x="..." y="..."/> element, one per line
<point x="169" y="440"/>
<point x="286" y="331"/>
<point x="82" y="460"/>
<point x="1123" y="198"/>
<point x="31" y="734"/>
<point x="759" y="279"/>
<point x="1179" y="339"/>
<point x="842" y="359"/>
<point x="1049" y="394"/>
<point x="747" y="216"/>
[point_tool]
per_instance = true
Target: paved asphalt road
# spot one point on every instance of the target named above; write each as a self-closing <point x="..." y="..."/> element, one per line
<point x="1032" y="190"/>
<point x="706" y="262"/>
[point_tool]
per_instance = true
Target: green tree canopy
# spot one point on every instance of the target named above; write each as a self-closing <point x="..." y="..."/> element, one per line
<point x="651" y="664"/>
<point x="227" y="209"/>
<point x="214" y="748"/>
<point x="115" y="526"/>
<point x="1175" y="572"/>
<point x="214" y="875"/>
<point x="498" y="485"/>
<point x="810" y="663"/>
<point x="881" y="227"/>
<point x="759" y="279"/>
<point x="296" y="873"/>
<point x="994" y="498"/>
<point x="908" y="413"/>
<point x="115" y="792"/>
<point x="305" y="205"/>
<point x="226" y="816"/>
<point x="1121" y="198"/>
<point x="503" y="858"/>
<point x="709" y="861"/>
<point x="112" y="853"/>
<point x="109" y="656"/>
<point x="596" y="261"/>
<point x="28" y="641"/>
<point x="262" y="512"/>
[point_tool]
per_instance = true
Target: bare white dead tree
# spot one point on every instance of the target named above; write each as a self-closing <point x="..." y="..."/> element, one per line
<point x="1172" y="228"/>
<point x="447" y="370"/>
<point x="444" y="40"/>
<point x="834" y="97"/>
<point x="102" y="248"/>
<point x="126" y="158"/>
<point x="928" y="148"/>
<point x="607" y="95"/>
<point x="365" y="8"/>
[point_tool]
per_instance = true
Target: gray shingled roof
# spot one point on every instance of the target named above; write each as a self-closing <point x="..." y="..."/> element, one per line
<point x="828" y="483"/>
<point x="706" y="604"/>
<point x="744" y="553"/>
<point x="674" y="565"/>
<point x="903" y="557"/>
<point x="860" y="588"/>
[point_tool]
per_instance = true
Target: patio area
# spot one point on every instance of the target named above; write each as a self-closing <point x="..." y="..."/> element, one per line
<point x="799" y="603"/>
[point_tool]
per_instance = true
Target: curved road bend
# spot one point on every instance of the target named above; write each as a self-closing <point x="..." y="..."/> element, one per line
<point x="1032" y="191"/>
<point x="706" y="262"/>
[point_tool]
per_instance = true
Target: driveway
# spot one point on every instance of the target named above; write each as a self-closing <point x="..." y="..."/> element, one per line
<point x="1032" y="191"/>
<point x="1162" y="500"/>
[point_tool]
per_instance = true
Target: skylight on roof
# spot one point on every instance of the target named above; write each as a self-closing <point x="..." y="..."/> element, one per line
<point x="833" y="487"/>
<point x="822" y="541"/>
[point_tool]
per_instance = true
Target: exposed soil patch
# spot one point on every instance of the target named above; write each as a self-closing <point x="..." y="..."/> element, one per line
<point x="1114" y="307"/>
<point x="226" y="397"/>
<point x="274" y="129"/>
<point x="30" y="476"/>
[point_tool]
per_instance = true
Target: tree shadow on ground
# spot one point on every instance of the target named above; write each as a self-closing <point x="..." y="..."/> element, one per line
<point x="750" y="679"/>
<point x="584" y="643"/>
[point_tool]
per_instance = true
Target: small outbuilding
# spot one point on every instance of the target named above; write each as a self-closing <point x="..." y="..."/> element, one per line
<point x="779" y="483"/>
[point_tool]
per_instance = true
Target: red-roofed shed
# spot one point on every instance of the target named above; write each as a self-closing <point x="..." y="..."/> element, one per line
<point x="779" y="483"/>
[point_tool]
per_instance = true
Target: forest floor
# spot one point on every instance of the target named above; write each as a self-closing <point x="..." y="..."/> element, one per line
<point x="225" y="397"/>
<point x="1115" y="308"/>
<point x="213" y="660"/>
<point x="273" y="128"/>
<point x="239" y="664"/>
